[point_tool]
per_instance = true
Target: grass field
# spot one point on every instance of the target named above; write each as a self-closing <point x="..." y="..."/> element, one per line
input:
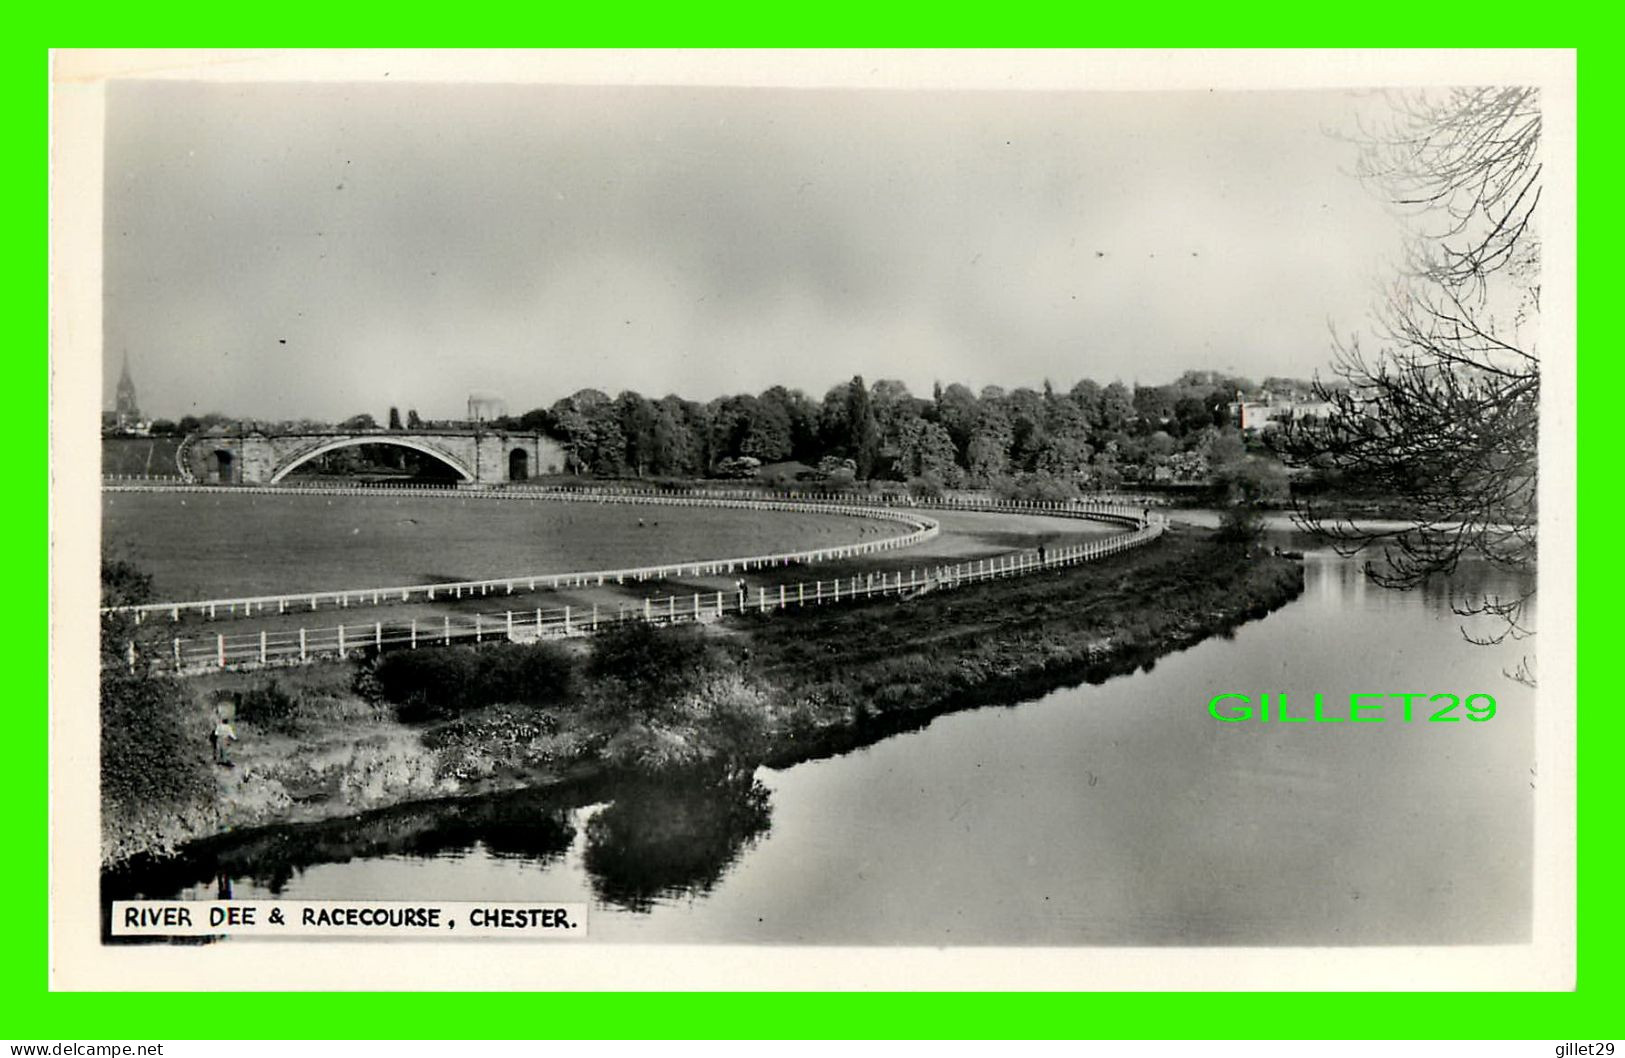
<point x="213" y="545"/>
<point x="139" y="456"/>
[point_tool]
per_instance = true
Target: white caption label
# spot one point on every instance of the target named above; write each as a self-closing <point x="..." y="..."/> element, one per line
<point x="347" y="918"/>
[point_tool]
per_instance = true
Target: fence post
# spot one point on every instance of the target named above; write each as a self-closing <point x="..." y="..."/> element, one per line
<point x="262" y="646"/>
<point x="781" y="596"/>
<point x="761" y="599"/>
<point x="647" y="609"/>
<point x="414" y="633"/>
<point x="175" y="645"/>
<point x="220" y="649"/>
<point x="301" y="643"/>
<point x="446" y="628"/>
<point x="595" y="617"/>
<point x="509" y="619"/>
<point x="341" y="640"/>
<point x="129" y="654"/>
<point x="566" y="621"/>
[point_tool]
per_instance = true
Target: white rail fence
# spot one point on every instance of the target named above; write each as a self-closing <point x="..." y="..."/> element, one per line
<point x="922" y="528"/>
<point x="194" y="654"/>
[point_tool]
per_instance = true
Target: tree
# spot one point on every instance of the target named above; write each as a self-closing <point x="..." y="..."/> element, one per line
<point x="1191" y="413"/>
<point x="1443" y="415"/>
<point x="636" y="419"/>
<point x="988" y="454"/>
<point x="802" y="416"/>
<point x="744" y="425"/>
<point x="363" y="421"/>
<point x="957" y="409"/>
<point x="1062" y="456"/>
<point x="672" y="446"/>
<point x="395" y="418"/>
<point x="1116" y="408"/>
<point x="155" y="781"/>
<point x="412" y="420"/>
<point x="1027" y="410"/>
<point x="926" y="451"/>
<point x="895" y="408"/>
<point x="1245" y="486"/>
<point x="863" y="433"/>
<point x="1086" y="395"/>
<point x="1154" y="405"/>
<point x="587" y="423"/>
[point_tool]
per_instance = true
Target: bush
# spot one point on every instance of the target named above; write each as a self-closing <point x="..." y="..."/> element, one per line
<point x="928" y="486"/>
<point x="437" y="682"/>
<point x="429" y="683"/>
<point x="269" y="706"/>
<point x="1240" y="524"/>
<point x="640" y="663"/>
<point x="154" y="769"/>
<point x="525" y="674"/>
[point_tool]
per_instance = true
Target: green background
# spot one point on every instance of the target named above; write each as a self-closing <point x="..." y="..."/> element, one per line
<point x="34" y="1013"/>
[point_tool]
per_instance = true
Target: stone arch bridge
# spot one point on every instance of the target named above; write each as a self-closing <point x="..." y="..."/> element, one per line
<point x="255" y="457"/>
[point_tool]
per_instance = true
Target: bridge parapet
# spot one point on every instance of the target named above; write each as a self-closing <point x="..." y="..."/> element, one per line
<point x="485" y="457"/>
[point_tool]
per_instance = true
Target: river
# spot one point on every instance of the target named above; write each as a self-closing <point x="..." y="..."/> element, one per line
<point x="1117" y="814"/>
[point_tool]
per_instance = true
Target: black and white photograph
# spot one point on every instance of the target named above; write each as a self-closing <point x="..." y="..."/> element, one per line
<point x="671" y="519"/>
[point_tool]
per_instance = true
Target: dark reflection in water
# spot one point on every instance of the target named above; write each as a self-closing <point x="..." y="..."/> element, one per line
<point x="652" y="840"/>
<point x="659" y="840"/>
<point x="524" y="826"/>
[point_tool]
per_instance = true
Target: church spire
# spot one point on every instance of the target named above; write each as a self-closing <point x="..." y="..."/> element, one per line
<point x="128" y="412"/>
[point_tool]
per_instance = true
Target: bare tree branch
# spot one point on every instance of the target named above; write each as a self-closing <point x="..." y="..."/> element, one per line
<point x="1444" y="416"/>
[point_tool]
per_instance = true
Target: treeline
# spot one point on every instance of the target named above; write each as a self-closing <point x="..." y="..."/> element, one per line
<point x="1037" y="441"/>
<point x="1089" y="436"/>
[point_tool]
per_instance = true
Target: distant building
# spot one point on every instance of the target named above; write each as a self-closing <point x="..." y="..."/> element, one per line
<point x="1271" y="411"/>
<point x="484" y="407"/>
<point x="126" y="415"/>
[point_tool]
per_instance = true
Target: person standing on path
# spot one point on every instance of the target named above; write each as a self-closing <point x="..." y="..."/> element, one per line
<point x="222" y="734"/>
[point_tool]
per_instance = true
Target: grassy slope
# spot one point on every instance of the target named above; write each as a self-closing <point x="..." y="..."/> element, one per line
<point x="858" y="673"/>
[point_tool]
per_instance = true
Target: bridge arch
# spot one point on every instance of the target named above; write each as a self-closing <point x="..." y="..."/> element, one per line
<point x="293" y="463"/>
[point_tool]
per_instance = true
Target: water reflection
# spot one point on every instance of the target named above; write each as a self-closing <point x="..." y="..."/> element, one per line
<point x="524" y="826"/>
<point x="657" y="841"/>
<point x="652" y="840"/>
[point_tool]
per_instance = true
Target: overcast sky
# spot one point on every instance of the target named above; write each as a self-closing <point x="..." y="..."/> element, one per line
<point x="280" y="251"/>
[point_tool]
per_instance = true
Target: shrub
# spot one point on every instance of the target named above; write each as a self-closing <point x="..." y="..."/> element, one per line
<point x="427" y="684"/>
<point x="269" y="706"/>
<point x="155" y="773"/>
<point x="927" y="486"/>
<point x="1242" y="524"/>
<point x="524" y="674"/>
<point x="648" y="659"/>
<point x="437" y="682"/>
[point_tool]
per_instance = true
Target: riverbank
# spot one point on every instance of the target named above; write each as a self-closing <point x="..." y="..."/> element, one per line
<point x="325" y="741"/>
